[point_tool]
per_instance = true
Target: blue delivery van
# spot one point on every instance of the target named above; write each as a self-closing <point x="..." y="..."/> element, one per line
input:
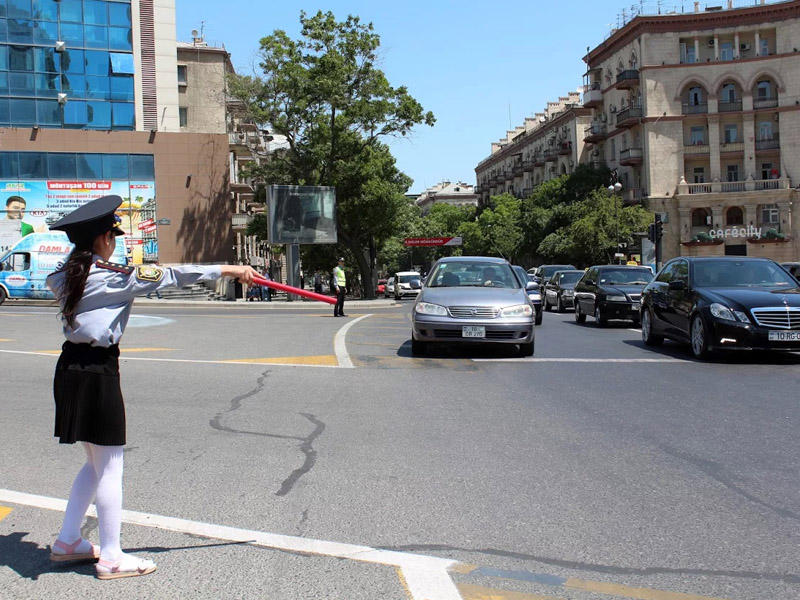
<point x="26" y="265"/>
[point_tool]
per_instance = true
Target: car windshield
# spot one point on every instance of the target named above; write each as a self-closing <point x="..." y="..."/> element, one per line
<point x="549" y="271"/>
<point x="740" y="273"/>
<point x="469" y="273"/>
<point x="626" y="276"/>
<point x="569" y="277"/>
<point x="407" y="278"/>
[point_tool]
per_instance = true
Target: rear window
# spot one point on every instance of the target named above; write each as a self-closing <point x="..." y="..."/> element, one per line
<point x="626" y="276"/>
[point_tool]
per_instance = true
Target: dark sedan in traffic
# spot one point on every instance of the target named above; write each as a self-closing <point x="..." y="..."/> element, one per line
<point x="559" y="291"/>
<point x="611" y="292"/>
<point x="722" y="303"/>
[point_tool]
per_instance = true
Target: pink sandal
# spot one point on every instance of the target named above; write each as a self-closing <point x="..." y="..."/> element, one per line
<point x="68" y="552"/>
<point x="127" y="566"/>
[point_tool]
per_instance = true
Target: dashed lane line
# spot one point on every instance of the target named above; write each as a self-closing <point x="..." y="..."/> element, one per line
<point x="340" y="345"/>
<point x="426" y="577"/>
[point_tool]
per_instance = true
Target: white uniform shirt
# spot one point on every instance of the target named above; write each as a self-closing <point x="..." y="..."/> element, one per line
<point x="103" y="311"/>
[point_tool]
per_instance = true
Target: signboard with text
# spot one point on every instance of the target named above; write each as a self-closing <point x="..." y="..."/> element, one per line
<point x="436" y="241"/>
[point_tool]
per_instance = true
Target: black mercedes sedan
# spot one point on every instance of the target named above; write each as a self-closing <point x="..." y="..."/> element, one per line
<point x="559" y="290"/>
<point x="722" y="303"/>
<point x="611" y="292"/>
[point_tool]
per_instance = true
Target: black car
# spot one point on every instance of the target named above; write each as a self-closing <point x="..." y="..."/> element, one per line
<point x="722" y="303"/>
<point x="611" y="292"/>
<point x="793" y="268"/>
<point x="559" y="291"/>
<point x="543" y="273"/>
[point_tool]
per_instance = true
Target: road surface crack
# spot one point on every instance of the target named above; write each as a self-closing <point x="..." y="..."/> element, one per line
<point x="307" y="448"/>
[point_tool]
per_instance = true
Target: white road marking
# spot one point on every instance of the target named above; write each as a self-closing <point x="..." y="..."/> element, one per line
<point x="427" y="577"/>
<point x="635" y="330"/>
<point x="185" y="360"/>
<point x="340" y="347"/>
<point x="584" y="360"/>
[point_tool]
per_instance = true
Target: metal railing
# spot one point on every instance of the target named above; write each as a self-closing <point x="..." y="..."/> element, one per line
<point x="736" y="146"/>
<point x="733" y="106"/>
<point x="696" y="148"/>
<point x="768" y="143"/>
<point x="630" y="155"/>
<point x="765" y="103"/>
<point x="595" y="130"/>
<point x="629" y="75"/>
<point x="631" y="112"/>
<point x="694" y="109"/>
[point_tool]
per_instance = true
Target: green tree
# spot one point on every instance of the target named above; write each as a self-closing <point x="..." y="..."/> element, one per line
<point x="324" y="92"/>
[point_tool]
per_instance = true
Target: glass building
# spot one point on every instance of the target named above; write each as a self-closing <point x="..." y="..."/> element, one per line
<point x="66" y="64"/>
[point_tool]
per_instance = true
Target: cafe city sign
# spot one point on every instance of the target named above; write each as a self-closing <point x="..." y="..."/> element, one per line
<point x="748" y="232"/>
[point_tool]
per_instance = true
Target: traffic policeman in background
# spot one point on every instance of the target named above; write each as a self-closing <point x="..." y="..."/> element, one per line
<point x="96" y="297"/>
<point x="340" y="285"/>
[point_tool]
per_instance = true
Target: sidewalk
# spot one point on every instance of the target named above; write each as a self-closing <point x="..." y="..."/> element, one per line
<point x="240" y="303"/>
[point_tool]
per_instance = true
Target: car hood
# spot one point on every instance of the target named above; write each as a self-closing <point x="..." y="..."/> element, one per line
<point x="753" y="297"/>
<point x="623" y="289"/>
<point x="567" y="286"/>
<point x="473" y="296"/>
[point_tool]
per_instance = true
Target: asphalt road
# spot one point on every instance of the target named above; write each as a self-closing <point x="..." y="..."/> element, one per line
<point x="259" y="466"/>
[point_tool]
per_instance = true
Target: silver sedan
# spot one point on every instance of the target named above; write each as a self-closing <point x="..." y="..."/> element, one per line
<point x="469" y="299"/>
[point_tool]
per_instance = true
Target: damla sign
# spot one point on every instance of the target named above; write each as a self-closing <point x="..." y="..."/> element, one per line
<point x="745" y="232"/>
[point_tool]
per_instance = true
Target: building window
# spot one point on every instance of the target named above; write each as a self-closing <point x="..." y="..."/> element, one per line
<point x="701" y="217"/>
<point x="699" y="174"/>
<point x="687" y="53"/>
<point x="764" y="90"/>
<point x="767" y="171"/>
<point x="733" y="172"/>
<point x="764" y="131"/>
<point x="770" y="215"/>
<point x="695" y="96"/>
<point x="764" y="49"/>
<point x="726" y="51"/>
<point x="734" y="216"/>
<point x="698" y="135"/>
<point x="731" y="133"/>
<point x="729" y="93"/>
<point x="183" y="116"/>
<point x="181" y="74"/>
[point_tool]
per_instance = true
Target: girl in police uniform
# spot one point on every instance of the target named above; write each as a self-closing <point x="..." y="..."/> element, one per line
<point x="96" y="299"/>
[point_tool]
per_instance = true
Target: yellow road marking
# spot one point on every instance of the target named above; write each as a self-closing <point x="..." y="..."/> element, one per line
<point x="325" y="359"/>
<point x="626" y="591"/>
<point x="4" y="512"/>
<point x="477" y="592"/>
<point x="463" y="568"/>
<point x="6" y="340"/>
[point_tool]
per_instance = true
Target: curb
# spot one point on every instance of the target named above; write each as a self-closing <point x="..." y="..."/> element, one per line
<point x="239" y="304"/>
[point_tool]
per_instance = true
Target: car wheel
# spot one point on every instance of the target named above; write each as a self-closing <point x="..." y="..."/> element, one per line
<point x="600" y="320"/>
<point x="538" y="317"/>
<point x="3" y="295"/>
<point x="545" y="303"/>
<point x="560" y="305"/>
<point x="699" y="337"/>
<point x="579" y="316"/>
<point x="647" y="331"/>
<point x="526" y="349"/>
<point x="418" y="348"/>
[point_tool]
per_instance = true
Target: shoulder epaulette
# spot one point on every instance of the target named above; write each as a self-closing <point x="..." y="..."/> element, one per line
<point x="104" y="264"/>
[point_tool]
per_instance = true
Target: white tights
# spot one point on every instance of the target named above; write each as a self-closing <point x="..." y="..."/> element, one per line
<point x="100" y="478"/>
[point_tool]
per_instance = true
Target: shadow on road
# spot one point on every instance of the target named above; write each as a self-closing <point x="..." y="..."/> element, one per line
<point x="460" y="351"/>
<point x="733" y="357"/>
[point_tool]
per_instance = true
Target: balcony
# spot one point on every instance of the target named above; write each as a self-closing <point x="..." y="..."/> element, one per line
<point x="528" y="164"/>
<point x="565" y="148"/>
<point x="628" y="117"/>
<point x="240" y="220"/>
<point x="538" y="159"/>
<point x="734" y="106"/>
<point x="630" y="157"/>
<point x="768" y="143"/>
<point x="765" y="103"/>
<point x="517" y="169"/>
<point x="628" y="79"/>
<point x="593" y="97"/>
<point x="729" y="147"/>
<point x="694" y="109"/>
<point x="551" y="154"/>
<point x="696" y="147"/>
<point x="632" y="196"/>
<point x="596" y="132"/>
<point x="727" y="187"/>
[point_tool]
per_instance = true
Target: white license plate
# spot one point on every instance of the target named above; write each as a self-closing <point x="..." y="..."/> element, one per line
<point x="784" y="336"/>
<point x="473" y="331"/>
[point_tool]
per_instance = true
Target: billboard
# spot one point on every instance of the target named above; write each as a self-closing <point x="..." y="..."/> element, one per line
<point x="302" y="214"/>
<point x="32" y="206"/>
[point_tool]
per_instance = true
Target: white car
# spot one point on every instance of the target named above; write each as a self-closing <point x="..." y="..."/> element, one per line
<point x="389" y="289"/>
<point x="407" y="283"/>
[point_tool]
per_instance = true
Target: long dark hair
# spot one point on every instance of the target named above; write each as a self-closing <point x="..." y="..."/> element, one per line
<point x="76" y="271"/>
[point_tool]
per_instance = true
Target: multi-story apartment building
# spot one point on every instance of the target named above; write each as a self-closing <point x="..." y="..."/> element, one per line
<point x="89" y="105"/>
<point x="447" y="192"/>
<point x="547" y="145"/>
<point x="700" y="115"/>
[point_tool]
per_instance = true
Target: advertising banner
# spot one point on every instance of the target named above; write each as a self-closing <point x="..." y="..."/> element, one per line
<point x="32" y="206"/>
<point x="431" y="242"/>
<point x="302" y="214"/>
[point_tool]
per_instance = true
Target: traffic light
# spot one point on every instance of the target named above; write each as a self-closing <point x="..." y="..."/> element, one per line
<point x="659" y="228"/>
<point x="651" y="232"/>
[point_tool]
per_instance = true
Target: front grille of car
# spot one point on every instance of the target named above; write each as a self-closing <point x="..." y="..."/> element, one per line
<point x="490" y="335"/>
<point x="779" y="317"/>
<point x="447" y="333"/>
<point x="473" y="312"/>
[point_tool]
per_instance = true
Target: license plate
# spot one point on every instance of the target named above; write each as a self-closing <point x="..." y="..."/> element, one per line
<point x="473" y="331"/>
<point x="784" y="336"/>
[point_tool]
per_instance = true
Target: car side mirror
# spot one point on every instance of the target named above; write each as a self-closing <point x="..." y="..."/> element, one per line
<point x="531" y="285"/>
<point x="677" y="286"/>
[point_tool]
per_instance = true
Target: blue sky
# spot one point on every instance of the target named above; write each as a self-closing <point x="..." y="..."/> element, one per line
<point x="471" y="63"/>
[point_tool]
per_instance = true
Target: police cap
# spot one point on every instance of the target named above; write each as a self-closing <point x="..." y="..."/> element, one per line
<point x="92" y="219"/>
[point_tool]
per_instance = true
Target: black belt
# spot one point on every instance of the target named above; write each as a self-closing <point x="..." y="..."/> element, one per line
<point x="87" y="350"/>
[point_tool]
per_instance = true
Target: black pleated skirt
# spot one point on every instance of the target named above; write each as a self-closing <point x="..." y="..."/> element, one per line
<point x="89" y="405"/>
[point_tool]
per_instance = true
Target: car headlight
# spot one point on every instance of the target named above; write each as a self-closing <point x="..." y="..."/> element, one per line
<point x="616" y="298"/>
<point x="519" y="310"/>
<point x="720" y="311"/>
<point x="535" y="296"/>
<point x="426" y="308"/>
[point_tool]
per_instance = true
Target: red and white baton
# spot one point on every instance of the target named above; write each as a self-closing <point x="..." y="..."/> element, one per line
<point x="292" y="290"/>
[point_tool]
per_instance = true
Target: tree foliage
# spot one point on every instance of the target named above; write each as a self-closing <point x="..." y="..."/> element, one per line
<point x="324" y="92"/>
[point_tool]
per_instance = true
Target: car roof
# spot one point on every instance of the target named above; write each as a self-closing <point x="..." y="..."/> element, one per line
<point x="406" y="273"/>
<point x="603" y="267"/>
<point x="487" y="259"/>
<point x="733" y="258"/>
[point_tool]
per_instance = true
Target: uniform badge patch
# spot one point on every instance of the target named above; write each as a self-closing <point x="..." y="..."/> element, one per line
<point x="149" y="273"/>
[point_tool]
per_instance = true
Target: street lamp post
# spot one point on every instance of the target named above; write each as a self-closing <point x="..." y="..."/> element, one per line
<point x="614" y="189"/>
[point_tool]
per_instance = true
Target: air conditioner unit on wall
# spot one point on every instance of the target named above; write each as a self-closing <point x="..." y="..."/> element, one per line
<point x="711" y="42"/>
<point x="745" y="47"/>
